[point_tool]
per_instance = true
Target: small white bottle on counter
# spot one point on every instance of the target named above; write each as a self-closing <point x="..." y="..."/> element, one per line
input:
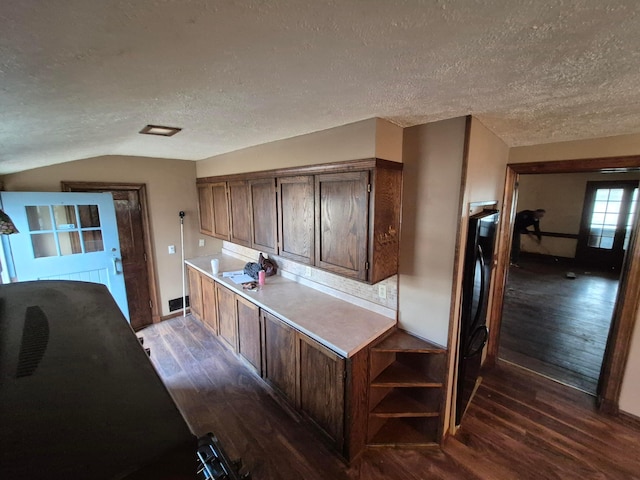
<point x="215" y="266"/>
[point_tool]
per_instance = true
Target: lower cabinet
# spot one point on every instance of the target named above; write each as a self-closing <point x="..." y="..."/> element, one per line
<point x="249" y="333"/>
<point x="195" y="292"/>
<point x="330" y="390"/>
<point x="227" y="316"/>
<point x="209" y="303"/>
<point x="322" y="376"/>
<point x="280" y="354"/>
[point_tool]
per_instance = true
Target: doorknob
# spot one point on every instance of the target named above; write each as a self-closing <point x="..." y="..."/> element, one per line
<point x="115" y="265"/>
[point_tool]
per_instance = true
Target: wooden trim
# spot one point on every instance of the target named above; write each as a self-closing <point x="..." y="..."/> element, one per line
<point x="503" y="249"/>
<point x="333" y="167"/>
<point x="572" y="236"/>
<point x="67" y="186"/>
<point x="630" y="419"/>
<point x="612" y="164"/>
<point x="624" y="317"/>
<point x="177" y="313"/>
<point x="447" y="425"/>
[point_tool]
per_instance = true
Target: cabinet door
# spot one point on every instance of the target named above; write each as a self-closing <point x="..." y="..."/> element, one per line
<point x="322" y="375"/>
<point x="342" y="215"/>
<point x="220" y="211"/>
<point x="205" y="207"/>
<point x="239" y="206"/>
<point x="296" y="218"/>
<point x="280" y="359"/>
<point x="263" y="215"/>
<point x="209" y="304"/>
<point x="195" y="292"/>
<point x="249" y="333"/>
<point x="227" y="316"/>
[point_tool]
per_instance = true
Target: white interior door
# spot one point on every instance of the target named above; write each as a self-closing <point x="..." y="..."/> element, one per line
<point x="66" y="236"/>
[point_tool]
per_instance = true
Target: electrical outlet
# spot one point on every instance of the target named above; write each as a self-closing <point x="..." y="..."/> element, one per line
<point x="307" y="272"/>
<point x="382" y="291"/>
<point x="201" y="242"/>
<point x="172" y="249"/>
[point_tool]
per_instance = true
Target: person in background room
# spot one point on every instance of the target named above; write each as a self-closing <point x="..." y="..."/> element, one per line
<point x="524" y="220"/>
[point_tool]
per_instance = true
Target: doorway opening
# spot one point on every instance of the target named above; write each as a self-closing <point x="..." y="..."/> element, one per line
<point x="130" y="200"/>
<point x="619" y="294"/>
<point x="560" y="299"/>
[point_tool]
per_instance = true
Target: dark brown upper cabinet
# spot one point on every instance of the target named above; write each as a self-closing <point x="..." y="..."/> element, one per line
<point x="220" y="209"/>
<point x="205" y="209"/>
<point x="343" y="217"/>
<point x="296" y="219"/>
<point x="264" y="215"/>
<point x="240" y="212"/>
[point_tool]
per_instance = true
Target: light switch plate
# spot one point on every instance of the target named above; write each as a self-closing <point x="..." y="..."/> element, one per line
<point x="307" y="272"/>
<point x="201" y="242"/>
<point x="172" y="249"/>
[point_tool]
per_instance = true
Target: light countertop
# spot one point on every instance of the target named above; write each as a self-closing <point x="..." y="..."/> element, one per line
<point x="337" y="324"/>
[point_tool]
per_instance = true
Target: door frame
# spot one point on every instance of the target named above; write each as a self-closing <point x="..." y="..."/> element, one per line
<point x="628" y="299"/>
<point x="68" y="186"/>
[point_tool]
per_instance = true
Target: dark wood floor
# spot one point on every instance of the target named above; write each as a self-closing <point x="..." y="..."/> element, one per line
<point x="557" y="326"/>
<point x="519" y="425"/>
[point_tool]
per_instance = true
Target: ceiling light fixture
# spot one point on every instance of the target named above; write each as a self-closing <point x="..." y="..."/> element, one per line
<point x="160" y="130"/>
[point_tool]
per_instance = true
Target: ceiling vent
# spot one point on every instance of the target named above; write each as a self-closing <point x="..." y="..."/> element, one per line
<point x="160" y="130"/>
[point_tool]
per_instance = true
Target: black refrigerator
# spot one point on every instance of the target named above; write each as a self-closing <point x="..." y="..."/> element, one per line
<point x="476" y="278"/>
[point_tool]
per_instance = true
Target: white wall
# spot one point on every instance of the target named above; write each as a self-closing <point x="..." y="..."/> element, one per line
<point x="433" y="160"/>
<point x="348" y="142"/>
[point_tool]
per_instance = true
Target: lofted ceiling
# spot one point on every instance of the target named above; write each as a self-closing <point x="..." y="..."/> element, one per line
<point x="81" y="78"/>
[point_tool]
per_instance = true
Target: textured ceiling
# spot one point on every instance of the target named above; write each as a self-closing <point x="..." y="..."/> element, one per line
<point x="80" y="78"/>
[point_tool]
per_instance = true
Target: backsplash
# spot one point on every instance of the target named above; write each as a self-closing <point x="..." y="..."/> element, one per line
<point x="359" y="293"/>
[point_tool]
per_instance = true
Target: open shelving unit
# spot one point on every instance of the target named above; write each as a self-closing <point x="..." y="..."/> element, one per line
<point x="405" y="391"/>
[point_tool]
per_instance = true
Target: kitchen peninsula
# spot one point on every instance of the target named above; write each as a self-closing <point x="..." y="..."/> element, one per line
<point x="310" y="346"/>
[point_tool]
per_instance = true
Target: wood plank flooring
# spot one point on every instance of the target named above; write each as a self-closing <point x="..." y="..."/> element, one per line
<point x="519" y="425"/>
<point x="556" y="326"/>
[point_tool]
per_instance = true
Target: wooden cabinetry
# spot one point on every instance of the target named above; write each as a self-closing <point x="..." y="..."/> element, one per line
<point x="249" y="333"/>
<point x="322" y="389"/>
<point x="227" y="316"/>
<point x="330" y="390"/>
<point x="220" y="211"/>
<point x="296" y="218"/>
<point x="263" y="215"/>
<point x="343" y="217"/>
<point x="205" y="209"/>
<point x="213" y="208"/>
<point x="240" y="212"/>
<point x="209" y="303"/>
<point x="280" y="355"/>
<point x="406" y="391"/>
<point x="195" y="292"/>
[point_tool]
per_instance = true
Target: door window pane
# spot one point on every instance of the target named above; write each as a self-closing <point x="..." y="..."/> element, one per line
<point x="89" y="216"/>
<point x="69" y="243"/>
<point x="93" y="241"/>
<point x="39" y="218"/>
<point x="65" y="217"/>
<point x="604" y="219"/>
<point x="44" y="245"/>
